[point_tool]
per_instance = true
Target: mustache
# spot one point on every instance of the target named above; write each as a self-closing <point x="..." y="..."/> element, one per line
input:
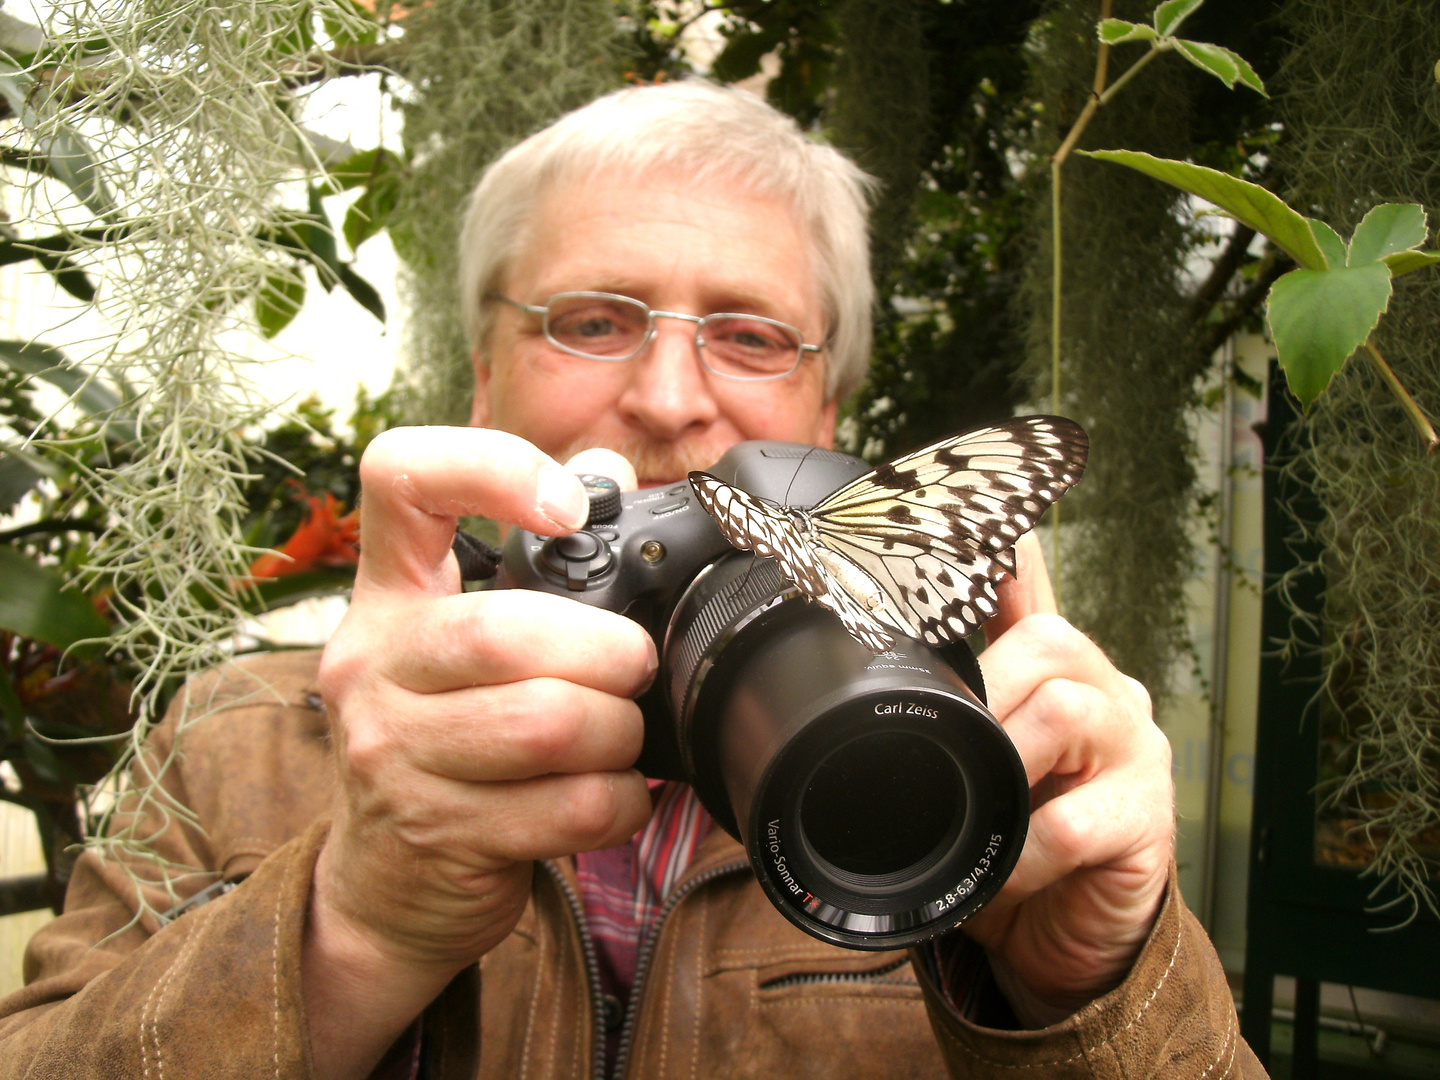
<point x="653" y="460"/>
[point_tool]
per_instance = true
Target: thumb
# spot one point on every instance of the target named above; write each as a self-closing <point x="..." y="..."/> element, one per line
<point x="1027" y="593"/>
<point x="602" y="462"/>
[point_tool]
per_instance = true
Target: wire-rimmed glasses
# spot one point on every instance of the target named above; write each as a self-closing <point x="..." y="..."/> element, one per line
<point x="613" y="328"/>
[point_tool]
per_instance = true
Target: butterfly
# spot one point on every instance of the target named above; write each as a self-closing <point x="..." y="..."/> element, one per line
<point x="914" y="547"/>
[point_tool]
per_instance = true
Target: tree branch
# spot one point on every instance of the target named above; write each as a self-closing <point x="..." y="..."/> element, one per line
<point x="1247" y="303"/>
<point x="1229" y="261"/>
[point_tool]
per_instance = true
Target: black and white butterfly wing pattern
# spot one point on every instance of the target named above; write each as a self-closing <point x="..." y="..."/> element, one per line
<point x="751" y="523"/>
<point x="915" y="546"/>
<point x="936" y="528"/>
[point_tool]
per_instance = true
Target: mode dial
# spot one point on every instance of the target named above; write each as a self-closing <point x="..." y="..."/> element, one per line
<point x="604" y="495"/>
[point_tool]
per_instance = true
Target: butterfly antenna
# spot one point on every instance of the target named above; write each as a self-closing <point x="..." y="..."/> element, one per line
<point x="796" y="474"/>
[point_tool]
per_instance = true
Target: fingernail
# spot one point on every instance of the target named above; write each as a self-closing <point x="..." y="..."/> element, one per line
<point x="561" y="497"/>
<point x="652" y="664"/>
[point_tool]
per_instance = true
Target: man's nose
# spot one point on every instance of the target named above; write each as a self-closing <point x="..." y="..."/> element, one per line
<point x="669" y="394"/>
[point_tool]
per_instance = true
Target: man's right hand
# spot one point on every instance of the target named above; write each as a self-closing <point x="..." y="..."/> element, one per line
<point x="474" y="733"/>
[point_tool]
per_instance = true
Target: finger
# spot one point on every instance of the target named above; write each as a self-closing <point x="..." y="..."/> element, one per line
<point x="473" y="639"/>
<point x="1115" y="822"/>
<point x="603" y="462"/>
<point x="512" y="732"/>
<point x="541" y="818"/>
<point x="417" y="481"/>
<point x="1068" y="730"/>
<point x="1027" y="593"/>
<point x="1041" y="647"/>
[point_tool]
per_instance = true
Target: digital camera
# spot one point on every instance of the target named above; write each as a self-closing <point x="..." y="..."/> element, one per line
<point x="879" y="802"/>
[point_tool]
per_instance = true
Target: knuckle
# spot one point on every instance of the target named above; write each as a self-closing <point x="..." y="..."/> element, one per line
<point x="588" y="810"/>
<point x="382" y="456"/>
<point x="1049" y="635"/>
<point x="1138" y="697"/>
<point x="368" y="751"/>
<point x="545" y="724"/>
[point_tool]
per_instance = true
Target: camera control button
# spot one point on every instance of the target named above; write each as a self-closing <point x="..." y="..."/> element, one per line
<point x="578" y="547"/>
<point x="604" y="496"/>
<point x="577" y="558"/>
<point x="669" y="507"/>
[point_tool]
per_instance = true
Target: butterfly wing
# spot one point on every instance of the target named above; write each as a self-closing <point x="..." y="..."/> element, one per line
<point x="935" y="529"/>
<point x="754" y="524"/>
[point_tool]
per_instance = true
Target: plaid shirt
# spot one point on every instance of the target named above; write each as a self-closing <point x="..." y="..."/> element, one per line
<point x="623" y="888"/>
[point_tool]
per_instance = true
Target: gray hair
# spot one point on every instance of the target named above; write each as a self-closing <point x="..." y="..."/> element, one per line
<point x="708" y="132"/>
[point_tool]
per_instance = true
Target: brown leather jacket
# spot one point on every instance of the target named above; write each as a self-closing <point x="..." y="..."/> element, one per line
<point x="731" y="988"/>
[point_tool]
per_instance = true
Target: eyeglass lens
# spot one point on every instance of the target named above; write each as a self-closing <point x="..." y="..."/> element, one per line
<point x="613" y="328"/>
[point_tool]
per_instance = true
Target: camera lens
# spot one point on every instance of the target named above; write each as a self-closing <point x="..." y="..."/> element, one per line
<point x="878" y="800"/>
<point x="893" y="777"/>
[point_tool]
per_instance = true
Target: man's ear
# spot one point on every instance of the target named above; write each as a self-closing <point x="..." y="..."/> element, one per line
<point x="825" y="425"/>
<point x="480" y="404"/>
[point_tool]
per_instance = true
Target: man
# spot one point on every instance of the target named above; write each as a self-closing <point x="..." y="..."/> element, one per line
<point x="391" y="843"/>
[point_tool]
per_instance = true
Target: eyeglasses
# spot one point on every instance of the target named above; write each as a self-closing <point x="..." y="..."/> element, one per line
<point x="613" y="328"/>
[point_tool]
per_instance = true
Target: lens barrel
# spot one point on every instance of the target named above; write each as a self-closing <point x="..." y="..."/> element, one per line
<point x="879" y="801"/>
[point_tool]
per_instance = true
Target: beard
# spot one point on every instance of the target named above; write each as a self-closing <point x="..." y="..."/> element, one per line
<point x="654" y="462"/>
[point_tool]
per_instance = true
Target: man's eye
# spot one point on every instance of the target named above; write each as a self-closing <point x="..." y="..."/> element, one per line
<point x="752" y="339"/>
<point x="593" y="327"/>
<point x="750" y="336"/>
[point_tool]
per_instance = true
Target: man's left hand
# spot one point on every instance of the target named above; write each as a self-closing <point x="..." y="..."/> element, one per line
<point x="1077" y="909"/>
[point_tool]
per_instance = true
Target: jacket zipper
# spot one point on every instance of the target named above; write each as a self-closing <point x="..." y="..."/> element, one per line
<point x="878" y="976"/>
<point x="642" y="962"/>
<point x="592" y="969"/>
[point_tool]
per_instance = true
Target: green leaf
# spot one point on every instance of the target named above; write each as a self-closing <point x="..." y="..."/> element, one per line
<point x="49" y="363"/>
<point x="1169" y="15"/>
<point x="35" y="603"/>
<point x="67" y="156"/>
<point x="363" y="167"/>
<point x="741" y="56"/>
<point x="362" y="291"/>
<point x="1229" y="67"/>
<point x="1209" y="58"/>
<point x="17" y="476"/>
<point x="1387" y="229"/>
<point x="279" y="301"/>
<point x="1403" y="262"/>
<point x="1319" y="317"/>
<point x="1330" y="242"/>
<point x="1116" y="31"/>
<point x="321" y="236"/>
<point x="51" y="253"/>
<point x="371" y="212"/>
<point x="1260" y="209"/>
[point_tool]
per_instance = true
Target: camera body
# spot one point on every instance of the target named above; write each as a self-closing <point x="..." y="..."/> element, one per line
<point x="878" y="800"/>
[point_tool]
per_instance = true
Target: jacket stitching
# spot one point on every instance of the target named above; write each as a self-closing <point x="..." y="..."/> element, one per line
<point x="275" y="968"/>
<point x="699" y="1009"/>
<point x="956" y="1041"/>
<point x="582" y="1008"/>
<point x="258" y="841"/>
<point x="162" y="990"/>
<point x="824" y="1000"/>
<point x="788" y="952"/>
<point x="665" y="1015"/>
<point x="1230" y="1044"/>
<point x="534" y="1001"/>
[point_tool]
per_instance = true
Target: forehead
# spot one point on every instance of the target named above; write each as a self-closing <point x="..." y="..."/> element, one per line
<point x="667" y="238"/>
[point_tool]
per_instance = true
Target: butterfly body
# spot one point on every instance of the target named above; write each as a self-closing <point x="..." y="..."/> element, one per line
<point x="915" y="546"/>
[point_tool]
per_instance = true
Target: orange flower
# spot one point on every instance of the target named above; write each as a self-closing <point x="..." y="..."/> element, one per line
<point x="324" y="539"/>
